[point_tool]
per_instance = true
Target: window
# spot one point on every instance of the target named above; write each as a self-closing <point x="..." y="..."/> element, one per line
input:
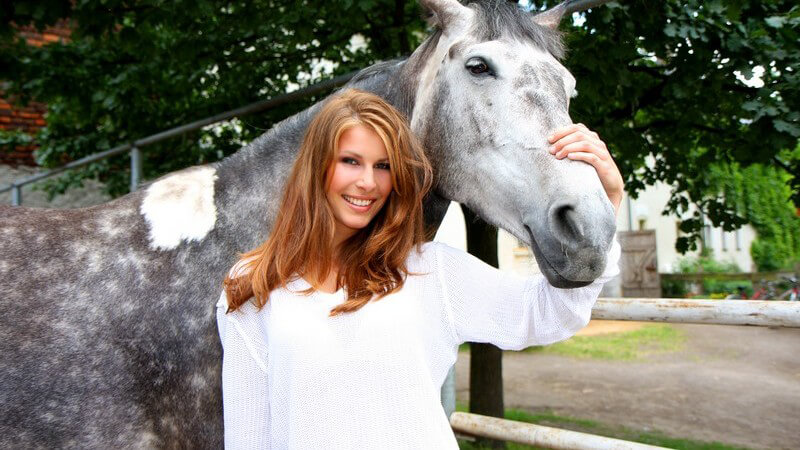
<point x="738" y="237"/>
<point x="723" y="241"/>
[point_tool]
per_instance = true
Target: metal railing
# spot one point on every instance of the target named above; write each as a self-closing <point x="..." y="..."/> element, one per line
<point x="134" y="148"/>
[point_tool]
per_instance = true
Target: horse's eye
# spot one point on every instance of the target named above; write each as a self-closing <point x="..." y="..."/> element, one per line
<point x="477" y="66"/>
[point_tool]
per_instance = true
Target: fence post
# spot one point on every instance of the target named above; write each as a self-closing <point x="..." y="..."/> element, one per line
<point x="136" y="167"/>
<point x="16" y="195"/>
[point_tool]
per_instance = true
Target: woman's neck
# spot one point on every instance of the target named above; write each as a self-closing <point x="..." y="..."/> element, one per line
<point x="331" y="283"/>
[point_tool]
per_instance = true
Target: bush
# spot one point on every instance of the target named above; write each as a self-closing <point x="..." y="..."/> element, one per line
<point x="674" y="289"/>
<point x="705" y="263"/>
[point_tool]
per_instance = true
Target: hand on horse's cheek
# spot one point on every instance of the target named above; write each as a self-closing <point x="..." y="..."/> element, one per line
<point x="579" y="143"/>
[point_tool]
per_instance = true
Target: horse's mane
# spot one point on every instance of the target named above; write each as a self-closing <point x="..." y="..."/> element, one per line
<point x="496" y="18"/>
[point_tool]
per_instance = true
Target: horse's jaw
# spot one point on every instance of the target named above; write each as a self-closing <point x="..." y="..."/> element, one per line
<point x="552" y="275"/>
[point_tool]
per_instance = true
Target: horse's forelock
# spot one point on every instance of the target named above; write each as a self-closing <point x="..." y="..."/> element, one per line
<point x="497" y="18"/>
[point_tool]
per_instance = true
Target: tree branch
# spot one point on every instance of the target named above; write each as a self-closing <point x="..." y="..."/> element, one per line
<point x="581" y="5"/>
<point x="782" y="164"/>
<point x="649" y="97"/>
<point x="650" y="70"/>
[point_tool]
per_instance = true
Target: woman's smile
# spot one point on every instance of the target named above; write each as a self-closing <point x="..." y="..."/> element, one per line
<point x="359" y="182"/>
<point x="359" y="202"/>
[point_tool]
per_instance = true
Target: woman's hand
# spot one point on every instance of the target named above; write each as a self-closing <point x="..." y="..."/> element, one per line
<point x="579" y="143"/>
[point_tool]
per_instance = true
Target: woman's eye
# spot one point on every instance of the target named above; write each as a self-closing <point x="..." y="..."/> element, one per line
<point x="384" y="166"/>
<point x="478" y="66"/>
<point x="350" y="161"/>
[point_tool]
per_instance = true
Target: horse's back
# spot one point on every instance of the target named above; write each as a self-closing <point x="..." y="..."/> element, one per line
<point x="60" y="363"/>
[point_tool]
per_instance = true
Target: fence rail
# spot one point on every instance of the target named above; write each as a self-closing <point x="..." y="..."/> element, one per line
<point x="536" y="435"/>
<point x="719" y="312"/>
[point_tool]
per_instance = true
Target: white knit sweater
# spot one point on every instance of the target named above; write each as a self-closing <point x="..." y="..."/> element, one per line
<point x="293" y="377"/>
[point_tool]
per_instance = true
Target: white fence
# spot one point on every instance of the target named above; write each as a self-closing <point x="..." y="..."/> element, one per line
<point x="719" y="312"/>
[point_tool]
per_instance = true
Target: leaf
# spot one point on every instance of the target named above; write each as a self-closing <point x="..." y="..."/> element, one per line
<point x="775" y="21"/>
<point x="787" y="127"/>
<point x="752" y="105"/>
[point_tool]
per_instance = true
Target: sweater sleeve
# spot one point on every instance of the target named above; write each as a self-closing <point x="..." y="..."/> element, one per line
<point x="245" y="395"/>
<point x="490" y="306"/>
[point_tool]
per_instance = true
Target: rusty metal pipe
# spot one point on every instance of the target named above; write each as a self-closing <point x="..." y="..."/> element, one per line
<point x="540" y="436"/>
<point x="720" y="312"/>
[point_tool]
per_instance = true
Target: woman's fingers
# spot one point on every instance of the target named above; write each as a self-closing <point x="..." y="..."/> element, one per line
<point x="608" y="172"/>
<point x="561" y="132"/>
<point x="582" y="145"/>
<point x="565" y="138"/>
<point x="588" y="157"/>
<point x="578" y="136"/>
<point x="579" y="143"/>
<point x="569" y="129"/>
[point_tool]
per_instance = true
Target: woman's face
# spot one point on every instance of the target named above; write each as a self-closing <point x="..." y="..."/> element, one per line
<point x="360" y="182"/>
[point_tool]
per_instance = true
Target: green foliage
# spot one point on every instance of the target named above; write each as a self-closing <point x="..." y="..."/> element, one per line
<point x="706" y="263"/>
<point x="674" y="289"/>
<point x="654" y="78"/>
<point x="10" y="139"/>
<point x="760" y="195"/>
<point x="660" y="79"/>
<point x="135" y="68"/>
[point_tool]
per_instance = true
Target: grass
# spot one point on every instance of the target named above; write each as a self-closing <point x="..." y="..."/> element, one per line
<point x="625" y="346"/>
<point x="590" y="426"/>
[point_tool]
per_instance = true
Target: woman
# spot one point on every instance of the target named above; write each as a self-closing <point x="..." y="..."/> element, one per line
<point x="339" y="330"/>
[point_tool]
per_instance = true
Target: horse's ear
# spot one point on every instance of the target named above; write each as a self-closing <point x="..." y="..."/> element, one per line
<point x="552" y="17"/>
<point x="446" y="14"/>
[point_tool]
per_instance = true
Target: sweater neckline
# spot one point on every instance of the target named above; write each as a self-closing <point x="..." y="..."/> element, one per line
<point x="301" y="284"/>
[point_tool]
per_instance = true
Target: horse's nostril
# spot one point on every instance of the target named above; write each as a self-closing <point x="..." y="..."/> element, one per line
<point x="566" y="224"/>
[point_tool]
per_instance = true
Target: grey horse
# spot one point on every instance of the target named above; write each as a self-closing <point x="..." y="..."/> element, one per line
<point x="108" y="312"/>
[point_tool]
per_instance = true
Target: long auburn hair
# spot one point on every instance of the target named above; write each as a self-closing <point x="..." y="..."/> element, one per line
<point x="371" y="263"/>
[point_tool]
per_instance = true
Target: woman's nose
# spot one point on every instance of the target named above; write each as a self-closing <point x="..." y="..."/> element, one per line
<point x="367" y="180"/>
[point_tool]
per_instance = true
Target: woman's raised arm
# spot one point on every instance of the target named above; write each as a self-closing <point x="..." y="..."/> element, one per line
<point x="509" y="311"/>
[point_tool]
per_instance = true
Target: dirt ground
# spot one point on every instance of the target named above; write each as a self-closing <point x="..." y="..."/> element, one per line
<point x="733" y="384"/>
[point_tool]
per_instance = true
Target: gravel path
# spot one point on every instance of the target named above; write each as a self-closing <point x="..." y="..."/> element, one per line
<point x="733" y="384"/>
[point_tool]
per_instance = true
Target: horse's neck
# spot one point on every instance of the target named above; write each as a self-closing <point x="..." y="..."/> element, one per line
<point x="250" y="183"/>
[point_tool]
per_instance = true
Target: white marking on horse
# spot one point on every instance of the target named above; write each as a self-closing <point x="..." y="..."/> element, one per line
<point x="180" y="207"/>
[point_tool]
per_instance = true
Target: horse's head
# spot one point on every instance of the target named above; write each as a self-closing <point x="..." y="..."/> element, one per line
<point x="491" y="89"/>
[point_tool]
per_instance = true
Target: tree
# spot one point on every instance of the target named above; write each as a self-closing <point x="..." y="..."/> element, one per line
<point x="659" y="79"/>
<point x="135" y="68"/>
<point x="759" y="194"/>
<point x="486" y="360"/>
<point x="667" y="80"/>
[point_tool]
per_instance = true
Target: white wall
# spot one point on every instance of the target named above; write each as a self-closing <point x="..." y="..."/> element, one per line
<point x="646" y="211"/>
